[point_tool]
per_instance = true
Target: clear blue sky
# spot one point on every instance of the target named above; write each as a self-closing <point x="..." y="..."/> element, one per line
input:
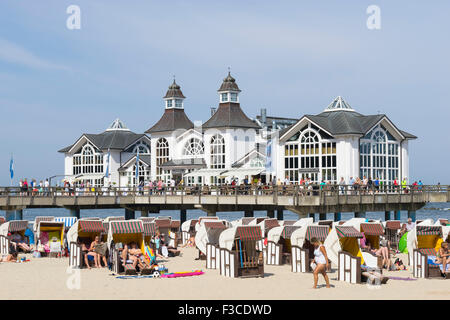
<point x="291" y="57"/>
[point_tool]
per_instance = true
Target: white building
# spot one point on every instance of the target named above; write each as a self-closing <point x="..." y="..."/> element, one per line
<point x="339" y="142"/>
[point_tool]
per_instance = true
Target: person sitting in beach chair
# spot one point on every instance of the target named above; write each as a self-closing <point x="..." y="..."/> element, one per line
<point x="19" y="242"/>
<point x="100" y="249"/>
<point x="131" y="252"/>
<point x="381" y="252"/>
<point x="443" y="257"/>
<point x="166" y="250"/>
<point x="190" y="242"/>
<point x="89" y="252"/>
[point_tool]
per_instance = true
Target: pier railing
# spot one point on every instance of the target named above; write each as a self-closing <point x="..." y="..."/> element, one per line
<point x="225" y="190"/>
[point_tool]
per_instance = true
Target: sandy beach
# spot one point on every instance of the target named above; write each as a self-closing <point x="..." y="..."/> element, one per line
<point x="46" y="278"/>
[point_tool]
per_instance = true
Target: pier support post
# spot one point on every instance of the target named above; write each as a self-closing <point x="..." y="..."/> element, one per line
<point x="280" y="214"/>
<point x="129" y="214"/>
<point x="144" y="213"/>
<point x="14" y="215"/>
<point x="387" y="215"/>
<point x="311" y="215"/>
<point x="183" y="215"/>
<point x="74" y="212"/>
<point x="271" y="213"/>
<point x="322" y="216"/>
<point x="337" y="216"/>
<point x="360" y="214"/>
<point x="211" y="213"/>
<point x="412" y="215"/>
<point x="249" y="213"/>
<point x="397" y="215"/>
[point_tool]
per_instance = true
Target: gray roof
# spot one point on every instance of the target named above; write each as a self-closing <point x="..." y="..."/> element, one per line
<point x="114" y="139"/>
<point x="144" y="158"/>
<point x="174" y="91"/>
<point x="171" y="120"/>
<point x="192" y="163"/>
<point x="229" y="84"/>
<point x="230" y="115"/>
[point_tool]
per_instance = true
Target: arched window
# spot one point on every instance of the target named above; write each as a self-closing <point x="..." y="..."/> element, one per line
<point x="193" y="147"/>
<point x="142" y="147"/>
<point x="87" y="161"/>
<point x="217" y="152"/>
<point x="162" y="155"/>
<point x="379" y="155"/>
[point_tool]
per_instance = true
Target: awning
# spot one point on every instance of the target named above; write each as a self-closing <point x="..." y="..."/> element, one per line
<point x="175" y="224"/>
<point x="214" y="225"/>
<point x="348" y="232"/>
<point x="428" y="251"/>
<point x="372" y="229"/>
<point x="184" y="164"/>
<point x="249" y="233"/>
<point x="246" y="221"/>
<point x="318" y="232"/>
<point x="394" y="225"/>
<point x="43" y="218"/>
<point x="131" y="226"/>
<point x="162" y="223"/>
<point x="288" y="222"/>
<point x="150" y="229"/>
<point x="147" y="219"/>
<point x="68" y="221"/>
<point x="271" y="223"/>
<point x="205" y="172"/>
<point x="429" y="230"/>
<point x="90" y="226"/>
<point x="288" y="230"/>
<point x="17" y="225"/>
<point x="243" y="172"/>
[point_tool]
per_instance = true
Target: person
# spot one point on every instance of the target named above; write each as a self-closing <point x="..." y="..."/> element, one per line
<point x="443" y="256"/>
<point x="377" y="184"/>
<point x="12" y="257"/>
<point x="190" y="242"/>
<point x="131" y="252"/>
<point x="404" y="189"/>
<point x="420" y="185"/>
<point x="406" y="227"/>
<point x="342" y="186"/>
<point x="100" y="250"/>
<point x="18" y="241"/>
<point x="89" y="252"/>
<point x="167" y="250"/>
<point x="321" y="262"/>
<point x="381" y="252"/>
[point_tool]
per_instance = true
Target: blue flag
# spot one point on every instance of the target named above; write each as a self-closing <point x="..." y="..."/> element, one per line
<point x="107" y="165"/>
<point x="137" y="168"/>
<point x="11" y="168"/>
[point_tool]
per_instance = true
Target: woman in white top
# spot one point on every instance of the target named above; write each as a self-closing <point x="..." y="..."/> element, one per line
<point x="321" y="261"/>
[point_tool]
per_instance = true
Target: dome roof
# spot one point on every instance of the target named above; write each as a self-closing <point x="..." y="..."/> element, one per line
<point x="229" y="84"/>
<point x="174" y="91"/>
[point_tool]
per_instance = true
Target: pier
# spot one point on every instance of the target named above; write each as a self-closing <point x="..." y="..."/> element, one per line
<point x="212" y="199"/>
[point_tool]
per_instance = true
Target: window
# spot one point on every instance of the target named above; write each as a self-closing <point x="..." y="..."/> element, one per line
<point x="233" y="97"/>
<point x="178" y="103"/>
<point x="162" y="155"/>
<point x="379" y="156"/>
<point x="224" y="97"/>
<point x="193" y="147"/>
<point x="217" y="152"/>
<point x="87" y="161"/>
<point x="169" y="103"/>
<point x="142" y="148"/>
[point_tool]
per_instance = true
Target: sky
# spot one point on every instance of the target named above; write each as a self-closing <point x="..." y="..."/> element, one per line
<point x="291" y="57"/>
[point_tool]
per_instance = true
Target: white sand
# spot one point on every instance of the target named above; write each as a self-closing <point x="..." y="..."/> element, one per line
<point x="46" y="278"/>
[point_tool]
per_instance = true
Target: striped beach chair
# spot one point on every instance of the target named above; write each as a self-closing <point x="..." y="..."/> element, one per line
<point x="207" y="242"/>
<point x="392" y="230"/>
<point x="428" y="239"/>
<point x="19" y="226"/>
<point x="279" y="244"/>
<point x="188" y="230"/>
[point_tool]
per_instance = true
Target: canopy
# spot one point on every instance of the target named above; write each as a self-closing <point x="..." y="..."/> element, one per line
<point x="393" y="224"/>
<point x="429" y="230"/>
<point x="214" y="225"/>
<point x="114" y="218"/>
<point x="163" y="223"/>
<point x="242" y="172"/>
<point x="147" y="219"/>
<point x="209" y="232"/>
<point x="175" y="224"/>
<point x="150" y="229"/>
<point x="205" y="172"/>
<point x="41" y="218"/>
<point x="348" y="232"/>
<point x="127" y="226"/>
<point x="249" y="233"/>
<point x="372" y="229"/>
<point x="68" y="221"/>
<point x="318" y="232"/>
<point x="90" y="226"/>
<point x="13" y="226"/>
<point x="188" y="225"/>
<point x="288" y="230"/>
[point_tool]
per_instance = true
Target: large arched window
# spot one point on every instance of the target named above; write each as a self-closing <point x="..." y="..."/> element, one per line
<point x="309" y="155"/>
<point x="162" y="155"/>
<point x="217" y="152"/>
<point x="379" y="155"/>
<point x="88" y="160"/>
<point x="193" y="147"/>
<point x="142" y="148"/>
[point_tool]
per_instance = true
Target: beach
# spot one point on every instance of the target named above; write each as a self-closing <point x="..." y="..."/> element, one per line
<point x="47" y="278"/>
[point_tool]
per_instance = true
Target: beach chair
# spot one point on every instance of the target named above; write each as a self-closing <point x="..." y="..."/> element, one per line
<point x="302" y="251"/>
<point x="239" y="254"/>
<point x="121" y="233"/>
<point x="174" y="233"/>
<point x="392" y="229"/>
<point x="150" y="229"/>
<point x="188" y="230"/>
<point x="279" y="244"/>
<point x="82" y="232"/>
<point x="424" y="241"/>
<point x="163" y="225"/>
<point x="372" y="233"/>
<point x="343" y="250"/>
<point x="50" y="238"/>
<point x="207" y="242"/>
<point x="19" y="226"/>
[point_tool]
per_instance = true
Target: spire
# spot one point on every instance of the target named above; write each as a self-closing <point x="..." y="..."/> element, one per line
<point x="174" y="91"/>
<point x="117" y="125"/>
<point x="229" y="84"/>
<point x="339" y="104"/>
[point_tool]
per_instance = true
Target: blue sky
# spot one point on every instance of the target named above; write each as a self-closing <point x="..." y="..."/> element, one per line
<point x="291" y="57"/>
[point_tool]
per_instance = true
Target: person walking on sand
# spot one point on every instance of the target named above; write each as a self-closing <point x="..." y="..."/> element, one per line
<point x="320" y="261"/>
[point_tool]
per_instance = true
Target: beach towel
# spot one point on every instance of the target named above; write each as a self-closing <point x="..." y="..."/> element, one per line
<point x="150" y="255"/>
<point x="402" y="278"/>
<point x="431" y="261"/>
<point x="182" y="274"/>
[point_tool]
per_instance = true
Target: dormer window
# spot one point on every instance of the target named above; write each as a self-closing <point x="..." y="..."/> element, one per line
<point x="233" y="97"/>
<point x="178" y="103"/>
<point x="224" y="97"/>
<point x="169" y="103"/>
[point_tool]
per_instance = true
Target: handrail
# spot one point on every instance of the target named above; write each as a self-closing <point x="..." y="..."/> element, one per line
<point x="290" y="190"/>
